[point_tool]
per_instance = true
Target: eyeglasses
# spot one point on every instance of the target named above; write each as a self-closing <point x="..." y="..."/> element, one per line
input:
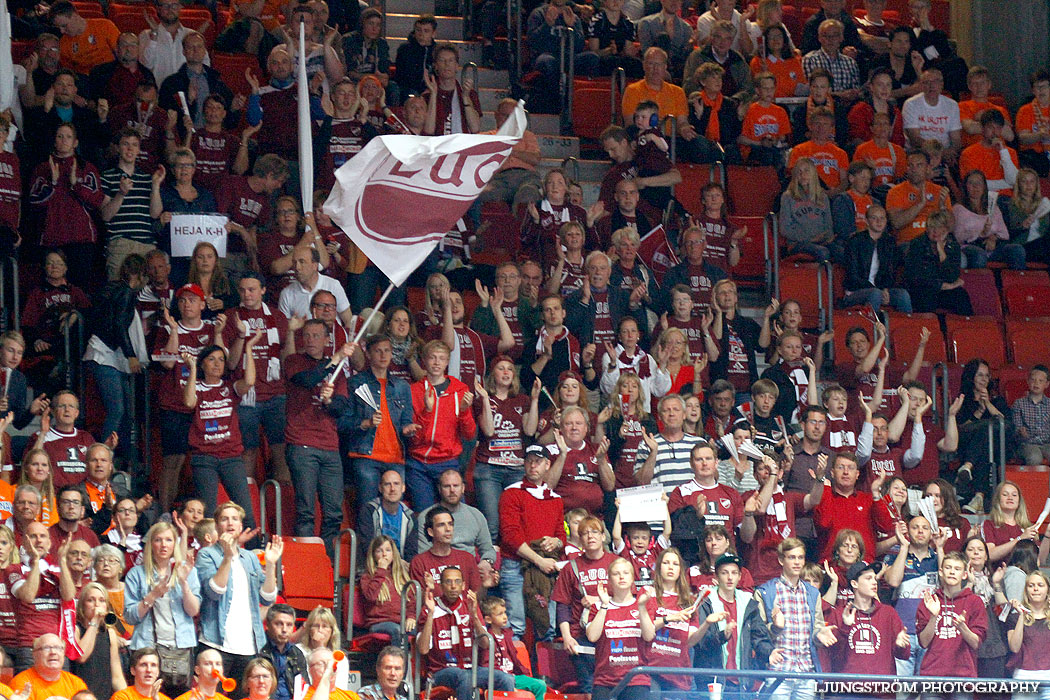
<point x="324" y="306"/>
<point x="51" y="648"/>
<point x="70" y="502"/>
<point x="125" y="511"/>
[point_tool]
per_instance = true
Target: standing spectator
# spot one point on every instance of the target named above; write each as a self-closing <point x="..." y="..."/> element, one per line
<point x="296" y="298"/>
<point x="616" y="632"/>
<point x="879" y="101"/>
<point x="100" y="664"/>
<point x="213" y="146"/>
<point x="831" y="10"/>
<point x="62" y="105"/>
<point x="666" y="30"/>
<point x="580" y="472"/>
<point x="911" y="573"/>
<point x="389" y="515"/>
<point x="86" y="42"/>
<point x="934" y="45"/>
<point x="452" y="108"/>
<point x="979" y="84"/>
<point x="374" y="430"/>
<point x="179" y="195"/>
<point x="665" y="458"/>
<point x="737" y="336"/>
<point x="694" y="271"/>
<point x="932" y="115"/>
<point x="132" y="200"/>
<point x="415" y="57"/>
<point x="861" y="651"/>
<point x="746" y="31"/>
<point x="234" y="584"/>
<point x="195" y="79"/>
<point x="1008" y="522"/>
<point x="702" y="502"/>
<point x="951" y="622"/>
<point x="42" y="67"/>
<point x="161" y="45"/>
<point x="35" y="586"/>
<point x="367" y="53"/>
<point x="843" y="506"/>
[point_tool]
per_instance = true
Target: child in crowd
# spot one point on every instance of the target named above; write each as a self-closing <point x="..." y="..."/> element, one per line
<point x="641" y="548"/>
<point x="494" y="611"/>
<point x="646" y="125"/>
<point x="1031" y="414"/>
<point x="767" y="127"/>
<point x="951" y="622"/>
<point x="767" y="430"/>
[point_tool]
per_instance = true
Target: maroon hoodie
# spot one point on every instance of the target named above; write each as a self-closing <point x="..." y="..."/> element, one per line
<point x="947" y="653"/>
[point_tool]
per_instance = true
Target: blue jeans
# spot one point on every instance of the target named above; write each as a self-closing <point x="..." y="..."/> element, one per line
<point x="900" y="300"/>
<point x="795" y="690"/>
<point x="1012" y="254"/>
<point x="118" y="397"/>
<point x="367" y="473"/>
<point x="421" y="479"/>
<point x="910" y="666"/>
<point x="489" y="482"/>
<point x="317" y="473"/>
<point x="208" y="471"/>
<point x="363" y="287"/>
<point x="459" y="680"/>
<point x="511" y="584"/>
<point x="391" y="628"/>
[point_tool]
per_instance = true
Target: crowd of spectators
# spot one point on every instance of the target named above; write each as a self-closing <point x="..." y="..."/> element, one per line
<point x="478" y="436"/>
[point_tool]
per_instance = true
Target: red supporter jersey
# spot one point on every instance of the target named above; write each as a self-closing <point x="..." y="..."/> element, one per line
<point x="242" y="205"/>
<point x="215" y="430"/>
<point x="307" y="420"/>
<point x="347" y="138"/>
<point x="869" y="645"/>
<point x="837" y="512"/>
<point x="619" y="649"/>
<point x="174" y="380"/>
<point x="452" y="637"/>
<point x="10" y="190"/>
<point x="272" y="246"/>
<point x="840" y="435"/>
<point x="645" y="563"/>
<point x="8" y="622"/>
<point x="772" y="527"/>
<point x="215" y="154"/>
<point x="670" y="647"/>
<point x="41" y="615"/>
<point x="693" y="333"/>
<point x="603" y="325"/>
<point x="506" y="445"/>
<point x="580" y="577"/>
<point x="718" y="237"/>
<point x="472" y="349"/>
<point x="579" y="484"/>
<point x="724" y="505"/>
<point x="429" y="563"/>
<point x="67" y="452"/>
<point x="266" y="353"/>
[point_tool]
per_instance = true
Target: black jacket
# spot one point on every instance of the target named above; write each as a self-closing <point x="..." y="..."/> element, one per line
<point x="412" y="62"/>
<point x="858" y="261"/>
<point x="180" y="81"/>
<point x="753" y="640"/>
<point x="40" y="128"/>
<point x="924" y="268"/>
<point x="579" y="317"/>
<point x="296" y="663"/>
<point x="114" y="312"/>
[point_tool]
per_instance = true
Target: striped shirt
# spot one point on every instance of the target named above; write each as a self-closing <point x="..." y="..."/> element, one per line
<point x="672" y="466"/>
<point x="132" y="220"/>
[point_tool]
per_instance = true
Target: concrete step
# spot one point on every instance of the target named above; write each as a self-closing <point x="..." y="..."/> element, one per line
<point x="590" y="170"/>
<point x="559" y="146"/>
<point x="410" y="7"/>
<point x="401" y="25"/>
<point x="490" y="97"/>
<point x="539" y="124"/>
<point x="468" y="50"/>
<point x="591" y="190"/>
<point x="488" y="78"/>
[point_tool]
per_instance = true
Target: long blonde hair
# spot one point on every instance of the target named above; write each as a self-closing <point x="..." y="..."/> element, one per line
<point x="319" y="615"/>
<point x="47" y="489"/>
<point x="89" y="586"/>
<point x="805" y="182"/>
<point x="1027" y="203"/>
<point x="638" y="407"/>
<point x="12" y="556"/>
<point x="681" y="585"/>
<point x="398" y="570"/>
<point x="1020" y="516"/>
<point x="1029" y="618"/>
<point x="147" y="551"/>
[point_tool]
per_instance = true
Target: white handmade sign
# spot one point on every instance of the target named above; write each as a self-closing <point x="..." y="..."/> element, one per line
<point x="187" y="230"/>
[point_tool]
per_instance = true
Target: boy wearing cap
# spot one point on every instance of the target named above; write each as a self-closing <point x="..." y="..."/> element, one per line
<point x="190" y="334"/>
<point x="740" y="639"/>
<point x="913" y="573"/>
<point x="530" y="513"/>
<point x="870" y="634"/>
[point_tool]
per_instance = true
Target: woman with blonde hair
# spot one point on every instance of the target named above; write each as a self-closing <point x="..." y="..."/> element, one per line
<point x="260" y="679"/>
<point x="805" y="213"/>
<point x="623" y="420"/>
<point x="1026" y="216"/>
<point x="1007" y="522"/>
<point x="8" y="624"/>
<point x="381" y="583"/>
<point x="686" y="369"/>
<point x="321" y="630"/>
<point x="733" y="330"/>
<point x="161" y="598"/>
<point x="1028" y="631"/>
<point x="99" y="665"/>
<point x="36" y="471"/>
<point x="207" y="272"/>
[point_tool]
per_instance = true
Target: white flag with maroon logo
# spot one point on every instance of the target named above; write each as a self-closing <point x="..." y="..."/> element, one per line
<point x="400" y="195"/>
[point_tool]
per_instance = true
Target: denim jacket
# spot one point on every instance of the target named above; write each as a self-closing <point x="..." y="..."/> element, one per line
<point x="215" y="606"/>
<point x="135" y="589"/>
<point x="351" y="410"/>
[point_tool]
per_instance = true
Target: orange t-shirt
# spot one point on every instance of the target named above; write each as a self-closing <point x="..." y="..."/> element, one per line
<point x="904" y="196"/>
<point x="48" y="512"/>
<point x="861" y="202"/>
<point x="1026" y="122"/>
<point x="65" y="686"/>
<point x="981" y="157"/>
<point x="387" y="447"/>
<point x="889" y="163"/>
<point x="761" y="122"/>
<point x="670" y="98"/>
<point x="333" y="694"/>
<point x="188" y="695"/>
<point x="130" y="693"/>
<point x="788" y="72"/>
<point x="831" y="161"/>
<point x="971" y="109"/>
<point x="7" y="500"/>
<point x="96" y="45"/>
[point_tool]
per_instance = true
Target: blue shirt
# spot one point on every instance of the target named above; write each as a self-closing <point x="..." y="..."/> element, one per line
<point x="392" y="524"/>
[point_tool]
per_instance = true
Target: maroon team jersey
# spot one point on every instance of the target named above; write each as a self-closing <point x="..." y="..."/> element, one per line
<point x="700" y="285"/>
<point x="272" y="246"/>
<point x="151" y="125"/>
<point x="174" y="380"/>
<point x="510" y="314"/>
<point x="8" y="626"/>
<point x="670" y="647"/>
<point x="429" y="563"/>
<point x="572" y="275"/>
<point x="215" y="154"/>
<point x="724" y="505"/>
<point x="716" y="250"/>
<point x="242" y="205"/>
<point x="452" y="636"/>
<point x="215" y="430"/>
<point x="693" y="333"/>
<point x="619" y="649"/>
<point x="506" y="445"/>
<point x="348" y="137"/>
<point x="266" y="353"/>
<point x="307" y="420"/>
<point x="67" y="452"/>
<point x="603" y="325"/>
<point x="10" y="190"/>
<point x="41" y="615"/>
<point x="580" y="577"/>
<point x="473" y="350"/>
<point x="579" y="485"/>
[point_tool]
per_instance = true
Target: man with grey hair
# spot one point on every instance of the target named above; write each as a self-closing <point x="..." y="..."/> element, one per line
<point x="664" y="458"/>
<point x="25" y="509"/>
<point x="845" y="73"/>
<point x="390" y="674"/>
<point x="593" y="312"/>
<point x="102" y="493"/>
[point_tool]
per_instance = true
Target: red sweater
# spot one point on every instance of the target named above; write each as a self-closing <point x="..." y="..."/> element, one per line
<point x="948" y="654"/>
<point x="836" y="512"/>
<point x="444" y="429"/>
<point x="870" y="645"/>
<point x="527" y="513"/>
<point x="376" y="612"/>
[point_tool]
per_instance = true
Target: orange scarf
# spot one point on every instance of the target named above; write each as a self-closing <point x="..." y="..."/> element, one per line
<point x="713" y="131"/>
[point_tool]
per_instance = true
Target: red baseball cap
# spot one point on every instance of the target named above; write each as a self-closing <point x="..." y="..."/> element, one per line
<point x="190" y="289"/>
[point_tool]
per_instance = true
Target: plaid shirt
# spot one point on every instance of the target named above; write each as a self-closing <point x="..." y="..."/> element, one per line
<point x="1035" y="417"/>
<point x="794" y="638"/>
<point x="844" y="71"/>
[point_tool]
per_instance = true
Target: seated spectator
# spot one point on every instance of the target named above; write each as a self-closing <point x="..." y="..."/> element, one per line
<point x="873" y="28"/>
<point x="805" y="212"/>
<point x="950" y="622"/>
<point x="713" y="118"/>
<point x="611" y="43"/>
<point x="544" y="41"/>
<point x="746" y="31"/>
<point x="287" y="658"/>
<point x="428" y="565"/>
<point x="472" y="532"/>
<point x="100" y="662"/>
<point x="494" y="611"/>
<point x="666" y="30"/>
<point x="879" y="101"/>
<point x="415" y="55"/>
<point x="116" y="81"/>
<point x="190" y="78"/>
<point x="845" y="74"/>
<point x="936" y="48"/>
<point x="873" y="263"/>
<point x="911" y="203"/>
<point x="42" y="66"/>
<point x="86" y="42"/>
<point x="980" y="228"/>
<point x="71" y="521"/>
<point x="654" y="189"/>
<point x="836" y="10"/>
<point x="208" y="273"/>
<point x="780" y="59"/>
<point x="1026" y="216"/>
<point x="254" y="28"/>
<point x="849" y="208"/>
<point x="981" y="402"/>
<point x="990" y="155"/>
<point x="767" y="128"/>
<point x="736" y="79"/>
<point x="694" y="271"/>
<point x="566" y="274"/>
<point x="44" y="675"/>
<point x="932" y="266"/>
<point x="1033" y="125"/>
<point x="161" y="45"/>
<point x="382" y="582"/>
<point x="932" y="115"/>
<point x="657" y="87"/>
<point x="887" y="160"/>
<point x="902" y="63"/>
<point x="287" y="235"/>
<point x="946" y="506"/>
<point x="979" y="85"/>
<point x="830" y="160"/>
<point x="819" y="81"/>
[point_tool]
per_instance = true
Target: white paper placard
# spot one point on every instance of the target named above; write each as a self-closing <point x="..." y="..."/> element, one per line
<point x="187" y="230"/>
<point x="642" y="504"/>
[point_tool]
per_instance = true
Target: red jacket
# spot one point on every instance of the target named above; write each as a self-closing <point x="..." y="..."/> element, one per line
<point x="66" y="211"/>
<point x="443" y="430"/>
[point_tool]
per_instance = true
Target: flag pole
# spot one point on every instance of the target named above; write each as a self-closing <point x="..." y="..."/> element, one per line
<point x="364" y="326"/>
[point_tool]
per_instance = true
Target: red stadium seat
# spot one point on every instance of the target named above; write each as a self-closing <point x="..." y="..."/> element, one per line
<point x="591" y="110"/>
<point x="751" y="270"/>
<point x="975" y="336"/>
<point x="694" y="178"/>
<point x="1013" y="278"/>
<point x="801" y="281"/>
<point x="1027" y="299"/>
<point x="984" y="295"/>
<point x="129" y="21"/>
<point x="20" y="50"/>
<point x="89" y="9"/>
<point x="1013" y="382"/>
<point x="905" y="331"/>
<point x="1026" y="338"/>
<point x="307" y="576"/>
<point x="553" y="663"/>
<point x="793" y="21"/>
<point x="753" y="189"/>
